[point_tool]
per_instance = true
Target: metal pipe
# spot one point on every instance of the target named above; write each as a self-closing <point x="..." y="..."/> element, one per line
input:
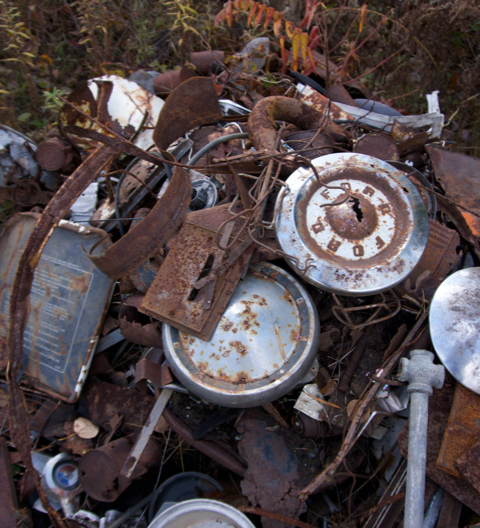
<point x="417" y="460"/>
<point x="214" y="451"/>
<point x="422" y="375"/>
<point x="214" y="143"/>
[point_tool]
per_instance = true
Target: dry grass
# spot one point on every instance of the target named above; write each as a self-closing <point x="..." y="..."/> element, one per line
<point x="50" y="45"/>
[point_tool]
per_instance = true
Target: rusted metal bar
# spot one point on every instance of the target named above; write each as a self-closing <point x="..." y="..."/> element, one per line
<point x="396" y="341"/>
<point x="19" y="304"/>
<point x="450" y="512"/>
<point x="8" y="495"/>
<point x="210" y="449"/>
<point x="355" y="359"/>
<point x="348" y="442"/>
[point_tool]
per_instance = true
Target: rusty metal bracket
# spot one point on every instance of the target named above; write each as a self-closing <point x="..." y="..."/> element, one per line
<point x="144" y="239"/>
<point x="147" y="371"/>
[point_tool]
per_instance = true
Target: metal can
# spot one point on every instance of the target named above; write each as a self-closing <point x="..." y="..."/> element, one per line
<point x="262" y="347"/>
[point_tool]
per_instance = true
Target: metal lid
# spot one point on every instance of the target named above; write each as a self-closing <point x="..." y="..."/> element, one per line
<point x="244" y="364"/>
<point x="366" y="245"/>
<point x="201" y="513"/>
<point x="454" y="326"/>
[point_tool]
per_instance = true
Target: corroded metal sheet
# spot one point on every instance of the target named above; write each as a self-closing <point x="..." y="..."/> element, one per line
<point x="262" y="347"/>
<point x="279" y="463"/>
<point x="136" y="328"/>
<point x="463" y="429"/>
<point x="148" y="236"/>
<point x="320" y="103"/>
<point x="459" y="175"/>
<point x="68" y="301"/>
<point x="190" y="105"/>
<point x="437" y="262"/>
<point x="367" y="244"/>
<point x="105" y="400"/>
<point x="439" y="405"/>
<point x="172" y="298"/>
<point x="377" y="145"/>
<point x="468" y="465"/>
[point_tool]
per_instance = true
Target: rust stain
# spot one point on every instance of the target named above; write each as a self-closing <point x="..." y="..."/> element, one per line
<point x="239" y="347"/>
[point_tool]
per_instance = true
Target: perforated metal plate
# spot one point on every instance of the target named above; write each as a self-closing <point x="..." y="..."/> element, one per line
<point x="364" y="246"/>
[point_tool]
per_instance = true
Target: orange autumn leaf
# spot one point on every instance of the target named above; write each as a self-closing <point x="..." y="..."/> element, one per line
<point x="311" y="64"/>
<point x="312" y="37"/>
<point x="252" y="13"/>
<point x="230" y="14"/>
<point x="261" y="10"/>
<point x="363" y="12"/>
<point x="220" y="17"/>
<point x="277" y="23"/>
<point x="313" y="9"/>
<point x="290" y="29"/>
<point x="283" y="54"/>
<point x="269" y="17"/>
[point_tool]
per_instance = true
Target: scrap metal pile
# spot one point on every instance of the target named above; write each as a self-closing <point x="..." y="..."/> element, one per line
<point x="209" y="272"/>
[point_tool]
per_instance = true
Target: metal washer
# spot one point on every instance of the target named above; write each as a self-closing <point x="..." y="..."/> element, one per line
<point x="367" y="245"/>
<point x="243" y="364"/>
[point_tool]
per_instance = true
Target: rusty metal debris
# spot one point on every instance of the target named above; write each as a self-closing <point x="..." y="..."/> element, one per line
<point x="462" y="431"/>
<point x="143" y="241"/>
<point x="173" y="297"/>
<point x="439" y="409"/>
<point x="457" y="173"/>
<point x="192" y="104"/>
<point x="137" y="297"/>
<point x="100" y="469"/>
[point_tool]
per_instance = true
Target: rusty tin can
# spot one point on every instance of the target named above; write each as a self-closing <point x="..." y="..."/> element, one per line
<point x="358" y="245"/>
<point x="264" y="344"/>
